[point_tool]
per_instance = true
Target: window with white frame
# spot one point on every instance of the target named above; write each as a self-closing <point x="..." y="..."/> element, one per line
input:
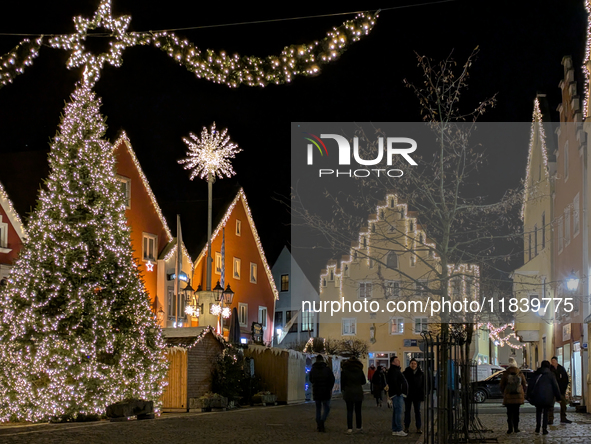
<point x="349" y="326"/>
<point x="238" y="228"/>
<point x="559" y="235"/>
<point x="330" y="275"/>
<point x="218" y="263"/>
<point x="126" y="188"/>
<point x="365" y="289"/>
<point x="236" y="268"/>
<point x="253" y="273"/>
<point x="421" y="325"/>
<point x="566" y="226"/>
<point x="421" y="287"/>
<point x="149" y="247"/>
<point x="413" y="259"/>
<point x="307" y="321"/>
<point x="391" y="289"/>
<point x="263" y="317"/>
<point x="576" y="219"/>
<point x="396" y="326"/>
<point x="243" y="314"/>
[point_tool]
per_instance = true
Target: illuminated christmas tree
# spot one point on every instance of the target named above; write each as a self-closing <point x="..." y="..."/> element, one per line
<point x="76" y="329"/>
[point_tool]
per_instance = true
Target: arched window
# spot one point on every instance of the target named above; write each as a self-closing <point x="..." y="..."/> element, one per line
<point x="392" y="260"/>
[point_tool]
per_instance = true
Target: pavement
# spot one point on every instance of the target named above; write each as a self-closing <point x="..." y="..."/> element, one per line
<point x="282" y="424"/>
<point x="579" y="432"/>
<point x="276" y="424"/>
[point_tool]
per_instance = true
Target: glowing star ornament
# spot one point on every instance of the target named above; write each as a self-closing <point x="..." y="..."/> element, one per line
<point x="149" y="266"/>
<point x="82" y="57"/>
<point x="210" y="154"/>
<point x="226" y="312"/>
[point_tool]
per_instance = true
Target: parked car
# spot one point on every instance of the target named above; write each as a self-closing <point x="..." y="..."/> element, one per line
<point x="483" y="371"/>
<point x="489" y="388"/>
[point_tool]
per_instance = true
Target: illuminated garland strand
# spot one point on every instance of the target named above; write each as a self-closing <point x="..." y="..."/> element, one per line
<point x="235" y="70"/>
<point x="12" y="214"/>
<point x="218" y="67"/>
<point x="13" y="63"/>
<point x="255" y="234"/>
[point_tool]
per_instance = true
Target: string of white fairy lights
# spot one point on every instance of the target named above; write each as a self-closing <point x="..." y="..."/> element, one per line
<point x="219" y="67"/>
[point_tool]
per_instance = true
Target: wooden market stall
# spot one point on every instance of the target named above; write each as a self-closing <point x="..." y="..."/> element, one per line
<point x="191" y="353"/>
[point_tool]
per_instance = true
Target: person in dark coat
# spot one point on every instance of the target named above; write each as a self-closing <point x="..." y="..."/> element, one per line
<point x="378" y="383"/>
<point x="322" y="380"/>
<point x="542" y="392"/>
<point x="513" y="386"/>
<point x="370" y="372"/>
<point x="416" y="394"/>
<point x="397" y="391"/>
<point x="352" y="382"/>
<point x="561" y="376"/>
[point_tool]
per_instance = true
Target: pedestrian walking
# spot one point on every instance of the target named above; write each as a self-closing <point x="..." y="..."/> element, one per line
<point x="370" y="372"/>
<point x="513" y="386"/>
<point x="352" y="382"/>
<point x="541" y="393"/>
<point x="562" y="379"/>
<point x="322" y="380"/>
<point x="378" y="384"/>
<point x="416" y="394"/>
<point x="397" y="391"/>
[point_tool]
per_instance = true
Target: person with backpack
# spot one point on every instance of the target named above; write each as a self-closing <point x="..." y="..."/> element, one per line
<point x="397" y="391"/>
<point x="513" y="386"/>
<point x="322" y="380"/>
<point x="542" y="392"/>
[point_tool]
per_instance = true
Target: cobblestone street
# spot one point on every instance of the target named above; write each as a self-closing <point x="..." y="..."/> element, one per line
<point x="577" y="432"/>
<point x="280" y="424"/>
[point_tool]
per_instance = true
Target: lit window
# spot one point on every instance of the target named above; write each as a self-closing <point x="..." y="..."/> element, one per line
<point x="149" y="245"/>
<point x="307" y="321"/>
<point x="285" y="282"/>
<point x="349" y="326"/>
<point x="396" y="326"/>
<point x="236" y="268"/>
<point x="253" y="273"/>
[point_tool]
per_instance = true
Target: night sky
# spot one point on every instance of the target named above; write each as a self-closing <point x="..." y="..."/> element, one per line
<point x="157" y="102"/>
